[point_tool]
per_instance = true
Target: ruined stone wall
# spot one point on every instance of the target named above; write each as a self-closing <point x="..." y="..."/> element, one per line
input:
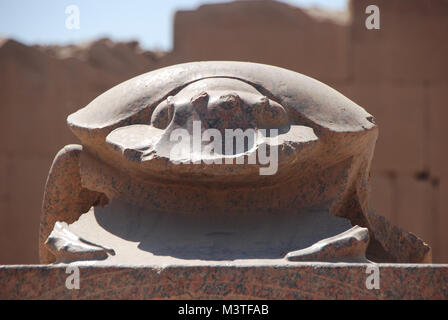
<point x="39" y="87"/>
<point x="398" y="73"/>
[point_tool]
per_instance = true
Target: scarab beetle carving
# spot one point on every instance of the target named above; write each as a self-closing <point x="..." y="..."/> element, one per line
<point x="211" y="210"/>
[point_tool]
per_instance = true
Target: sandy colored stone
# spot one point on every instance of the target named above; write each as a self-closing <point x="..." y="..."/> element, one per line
<point x="400" y="148"/>
<point x="414" y="202"/>
<point x="442" y="221"/>
<point x="312" y="42"/>
<point x="409" y="47"/>
<point x="383" y="192"/>
<point x="438" y="131"/>
<point x="38" y="91"/>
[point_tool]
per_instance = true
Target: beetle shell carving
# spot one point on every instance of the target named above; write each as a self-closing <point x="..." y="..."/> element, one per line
<point x="325" y="146"/>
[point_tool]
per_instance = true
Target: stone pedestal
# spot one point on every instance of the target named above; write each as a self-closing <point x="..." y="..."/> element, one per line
<point x="243" y="280"/>
<point x="225" y="180"/>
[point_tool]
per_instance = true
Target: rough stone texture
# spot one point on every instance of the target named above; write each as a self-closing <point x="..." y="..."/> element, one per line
<point x="325" y="146"/>
<point x="64" y="198"/>
<point x="403" y="246"/>
<point x="41" y="85"/>
<point x="261" y="281"/>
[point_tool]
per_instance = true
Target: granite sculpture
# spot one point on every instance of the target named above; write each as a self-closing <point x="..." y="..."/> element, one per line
<point x="296" y="188"/>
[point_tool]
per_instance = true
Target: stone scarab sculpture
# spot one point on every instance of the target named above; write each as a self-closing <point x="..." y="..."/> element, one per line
<point x="296" y="189"/>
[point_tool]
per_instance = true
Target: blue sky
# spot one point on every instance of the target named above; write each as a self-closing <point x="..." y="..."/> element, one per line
<point x="150" y="22"/>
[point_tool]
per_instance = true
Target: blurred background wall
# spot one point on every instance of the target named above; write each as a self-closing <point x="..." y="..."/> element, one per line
<point x="398" y="73"/>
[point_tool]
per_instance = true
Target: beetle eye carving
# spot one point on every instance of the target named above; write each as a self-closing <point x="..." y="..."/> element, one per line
<point x="270" y="114"/>
<point x="163" y="114"/>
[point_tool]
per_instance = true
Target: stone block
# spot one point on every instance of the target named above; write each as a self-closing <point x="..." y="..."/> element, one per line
<point x="382" y="196"/>
<point x="266" y="32"/>
<point x="415" y="209"/>
<point x="438" y="130"/>
<point x="23" y="180"/>
<point x="227" y="281"/>
<point x="409" y="46"/>
<point x="400" y="112"/>
<point x="441" y="255"/>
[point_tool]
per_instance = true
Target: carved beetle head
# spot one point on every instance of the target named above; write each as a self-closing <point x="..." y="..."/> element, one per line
<point x="138" y="124"/>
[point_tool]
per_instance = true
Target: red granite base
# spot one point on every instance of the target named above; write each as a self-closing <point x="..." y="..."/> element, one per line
<point x="226" y="281"/>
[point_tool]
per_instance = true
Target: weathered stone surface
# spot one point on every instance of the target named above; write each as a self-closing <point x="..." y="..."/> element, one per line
<point x="442" y="219"/>
<point x="65" y="199"/>
<point x="416" y="196"/>
<point x="410" y="46"/>
<point x="227" y="281"/>
<point x="412" y="203"/>
<point x="181" y="206"/>
<point x="37" y="91"/>
<point x="15" y="208"/>
<point x="41" y="85"/>
<point x="438" y="130"/>
<point x="382" y="196"/>
<point x="66" y="246"/>
<point x="401" y="148"/>
<point x="351" y="244"/>
<point x="140" y="236"/>
<point x="313" y="42"/>
<point x="399" y="245"/>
